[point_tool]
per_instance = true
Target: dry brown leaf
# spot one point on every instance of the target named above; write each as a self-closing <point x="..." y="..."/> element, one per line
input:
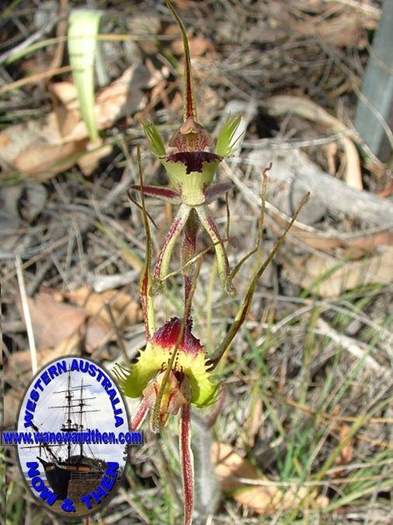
<point x="44" y="147"/>
<point x="90" y="160"/>
<point x="182" y="5"/>
<point x="59" y="326"/>
<point x="98" y="332"/>
<point x="69" y="346"/>
<point x="254" y="420"/>
<point x="266" y="498"/>
<point x="42" y="161"/>
<point x="99" y="324"/>
<point x="124" y="308"/>
<point x="346" y="453"/>
<point x="329" y="277"/>
<point x="53" y="321"/>
<point x="230" y="466"/>
<point x="337" y="24"/>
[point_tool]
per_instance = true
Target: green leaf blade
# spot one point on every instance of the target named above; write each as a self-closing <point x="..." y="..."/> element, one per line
<point x="82" y="49"/>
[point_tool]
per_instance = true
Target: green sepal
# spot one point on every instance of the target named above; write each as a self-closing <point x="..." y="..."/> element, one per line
<point x="156" y="143"/>
<point x="227" y="137"/>
<point x="246" y="302"/>
<point x="145" y="282"/>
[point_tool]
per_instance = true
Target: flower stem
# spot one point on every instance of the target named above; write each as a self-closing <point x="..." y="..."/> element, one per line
<point x="187" y="463"/>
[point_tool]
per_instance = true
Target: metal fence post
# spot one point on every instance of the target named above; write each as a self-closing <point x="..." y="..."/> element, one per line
<point x="374" y="116"/>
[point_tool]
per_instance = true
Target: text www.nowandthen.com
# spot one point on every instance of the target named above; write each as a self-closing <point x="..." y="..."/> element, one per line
<point x="94" y="437"/>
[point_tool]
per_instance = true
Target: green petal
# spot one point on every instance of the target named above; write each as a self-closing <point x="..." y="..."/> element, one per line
<point x="134" y="378"/>
<point x="227" y="137"/>
<point x="155" y="140"/>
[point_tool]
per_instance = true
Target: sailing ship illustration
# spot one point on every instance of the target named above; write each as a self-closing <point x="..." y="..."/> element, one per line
<point x="79" y="470"/>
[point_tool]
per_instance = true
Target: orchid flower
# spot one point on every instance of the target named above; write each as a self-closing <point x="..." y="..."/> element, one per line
<point x="191" y="161"/>
<point x="170" y="375"/>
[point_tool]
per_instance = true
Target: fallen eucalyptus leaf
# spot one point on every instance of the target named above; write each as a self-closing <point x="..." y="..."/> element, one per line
<point x="54" y="321"/>
<point x="329" y="277"/>
<point x="44" y="147"/>
<point x="248" y="487"/>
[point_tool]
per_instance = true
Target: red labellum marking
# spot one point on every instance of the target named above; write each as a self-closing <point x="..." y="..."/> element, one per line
<point x="167" y="336"/>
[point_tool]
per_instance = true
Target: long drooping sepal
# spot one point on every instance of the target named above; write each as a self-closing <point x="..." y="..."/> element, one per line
<point x="189" y="109"/>
<point x="245" y="305"/>
<point x="187" y="463"/>
<point x="164" y="257"/>
<point x="140" y="415"/>
<point x="217" y="190"/>
<point x="260" y="224"/>
<point x="222" y="260"/>
<point x="165" y="194"/>
<point x="146" y="277"/>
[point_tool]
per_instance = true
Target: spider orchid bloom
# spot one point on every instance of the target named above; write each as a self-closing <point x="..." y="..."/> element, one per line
<point x="191" y="163"/>
<point x="169" y="375"/>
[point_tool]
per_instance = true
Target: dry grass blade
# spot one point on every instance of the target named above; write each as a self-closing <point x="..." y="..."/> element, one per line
<point x="27" y="316"/>
<point x="33" y="79"/>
